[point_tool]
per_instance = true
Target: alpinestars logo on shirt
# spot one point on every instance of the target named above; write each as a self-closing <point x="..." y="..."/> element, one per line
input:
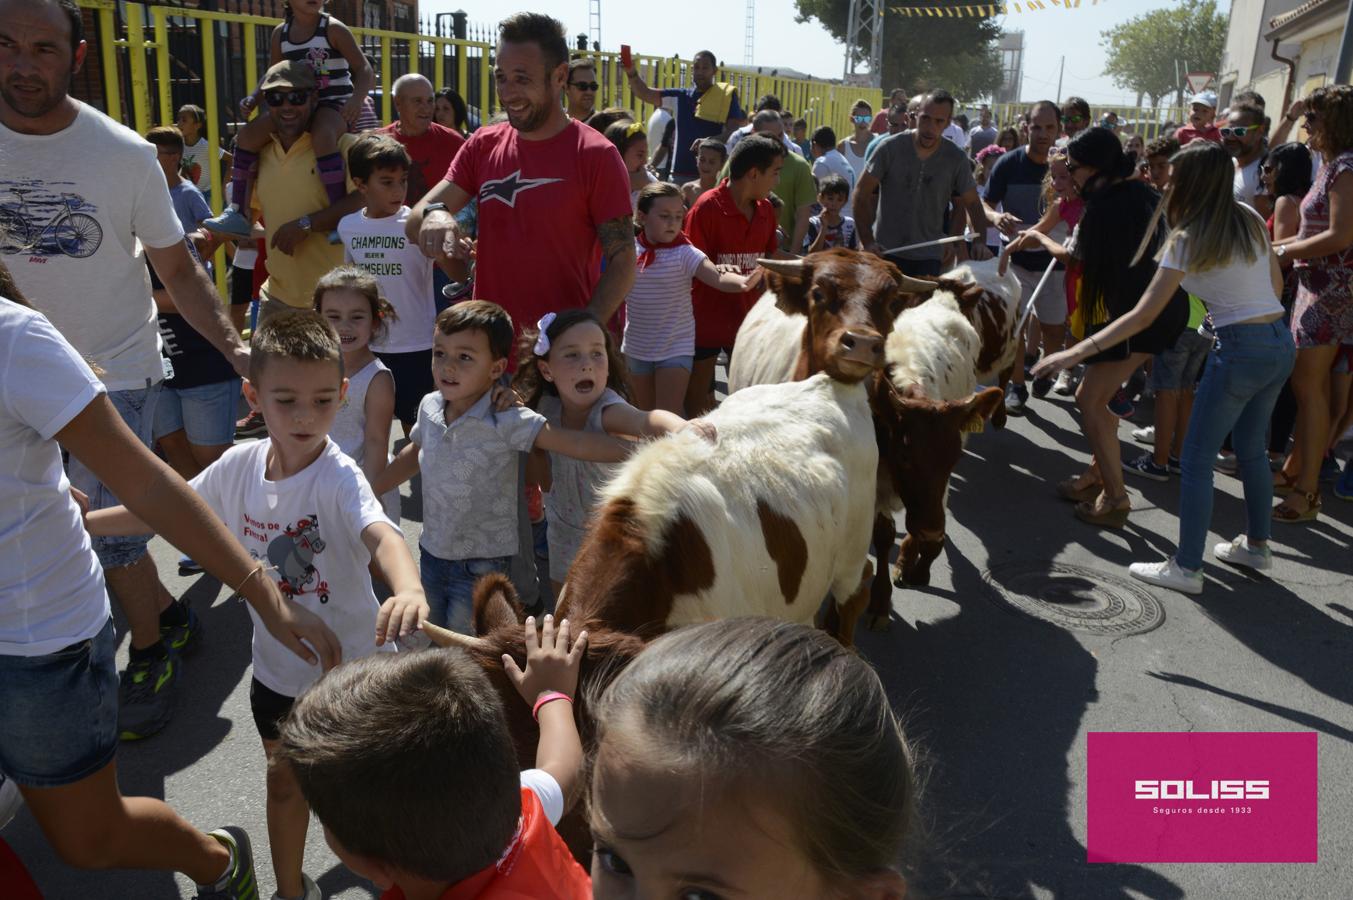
<point x="505" y="190"/>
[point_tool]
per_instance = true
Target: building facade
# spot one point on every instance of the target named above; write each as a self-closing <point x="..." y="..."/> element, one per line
<point x="1282" y="49"/>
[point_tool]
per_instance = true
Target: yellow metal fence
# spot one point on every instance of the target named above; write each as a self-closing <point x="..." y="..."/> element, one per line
<point x="154" y="58"/>
<point x="1147" y="121"/>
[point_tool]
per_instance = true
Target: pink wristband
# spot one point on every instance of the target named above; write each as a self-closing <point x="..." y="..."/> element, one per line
<point x="548" y="697"/>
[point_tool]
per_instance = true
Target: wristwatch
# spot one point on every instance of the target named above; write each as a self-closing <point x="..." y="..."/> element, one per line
<point x="434" y="207"/>
<point x="304" y="223"/>
<point x="1280" y="251"/>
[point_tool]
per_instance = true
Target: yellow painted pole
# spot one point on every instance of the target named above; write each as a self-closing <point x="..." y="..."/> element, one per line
<point x="136" y="49"/>
<point x="485" y="73"/>
<point x="463" y="74"/>
<point x="439" y="70"/>
<point x="112" y="84"/>
<point x="158" y="16"/>
<point x="250" y="62"/>
<point x="385" y="80"/>
<point x="207" y="29"/>
<point x="413" y="55"/>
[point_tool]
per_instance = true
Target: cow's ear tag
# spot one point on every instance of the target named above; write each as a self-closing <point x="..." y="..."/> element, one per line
<point x="975" y="425"/>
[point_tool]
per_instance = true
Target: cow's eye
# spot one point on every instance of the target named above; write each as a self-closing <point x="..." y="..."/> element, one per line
<point x="817" y="295"/>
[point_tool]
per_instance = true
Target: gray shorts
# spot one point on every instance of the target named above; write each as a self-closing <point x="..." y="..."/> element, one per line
<point x="1050" y="307"/>
<point x="1178" y="368"/>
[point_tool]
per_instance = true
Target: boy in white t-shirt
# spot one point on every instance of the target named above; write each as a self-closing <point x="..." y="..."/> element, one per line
<point x="297" y="503"/>
<point x="192" y="122"/>
<point x="374" y="241"/>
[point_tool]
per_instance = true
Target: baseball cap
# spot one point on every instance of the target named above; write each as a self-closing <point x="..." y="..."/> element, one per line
<point x="290" y="75"/>
<point x="1206" y="98"/>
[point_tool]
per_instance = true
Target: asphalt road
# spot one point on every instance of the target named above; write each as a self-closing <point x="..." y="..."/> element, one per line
<point x="998" y="703"/>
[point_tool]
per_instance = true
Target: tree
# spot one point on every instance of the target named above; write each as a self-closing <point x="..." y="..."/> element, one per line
<point x="920" y="54"/>
<point x="1142" y="52"/>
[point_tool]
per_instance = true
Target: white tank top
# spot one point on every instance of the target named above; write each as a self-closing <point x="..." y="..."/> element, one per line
<point x="856" y="162"/>
<point x="349" y="428"/>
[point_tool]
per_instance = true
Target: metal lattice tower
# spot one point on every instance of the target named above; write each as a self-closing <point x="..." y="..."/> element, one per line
<point x="864" y="41"/>
<point x="594" y="22"/>
<point x="749" y="34"/>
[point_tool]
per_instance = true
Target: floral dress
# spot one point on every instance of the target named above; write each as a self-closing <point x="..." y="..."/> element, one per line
<point x="1323" y="312"/>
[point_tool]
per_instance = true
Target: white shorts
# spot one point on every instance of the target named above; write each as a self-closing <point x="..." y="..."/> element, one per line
<point x="1050" y="308"/>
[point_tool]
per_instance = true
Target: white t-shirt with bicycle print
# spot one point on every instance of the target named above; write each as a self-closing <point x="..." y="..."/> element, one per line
<point x="76" y="208"/>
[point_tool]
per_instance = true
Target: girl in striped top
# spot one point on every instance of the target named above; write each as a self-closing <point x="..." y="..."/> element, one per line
<point x="343" y="78"/>
<point x="659" y="342"/>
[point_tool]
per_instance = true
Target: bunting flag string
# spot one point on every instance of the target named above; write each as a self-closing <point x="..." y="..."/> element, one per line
<point x="984" y="10"/>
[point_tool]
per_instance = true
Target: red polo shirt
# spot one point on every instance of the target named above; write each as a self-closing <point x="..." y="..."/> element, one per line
<point x="718" y="227"/>
<point x="432" y="152"/>
<point x="536" y="866"/>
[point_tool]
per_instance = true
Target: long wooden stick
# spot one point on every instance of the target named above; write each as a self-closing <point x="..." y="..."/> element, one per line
<point x="952" y="239"/>
<point x="1047" y="273"/>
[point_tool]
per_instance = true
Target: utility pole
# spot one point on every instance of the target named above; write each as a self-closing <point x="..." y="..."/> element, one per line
<point x="1060" y="70"/>
<point x="749" y="34"/>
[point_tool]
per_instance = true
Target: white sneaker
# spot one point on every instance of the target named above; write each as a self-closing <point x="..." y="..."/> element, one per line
<point x="1168" y="574"/>
<point x="1240" y="553"/>
<point x="1065" y="384"/>
<point x="10" y="800"/>
<point x="1145" y="435"/>
<point x="311" y="890"/>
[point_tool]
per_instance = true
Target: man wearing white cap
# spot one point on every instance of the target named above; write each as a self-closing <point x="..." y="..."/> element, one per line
<point x="1202" y="112"/>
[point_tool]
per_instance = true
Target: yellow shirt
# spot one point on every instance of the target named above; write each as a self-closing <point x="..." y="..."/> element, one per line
<point x="288" y="183"/>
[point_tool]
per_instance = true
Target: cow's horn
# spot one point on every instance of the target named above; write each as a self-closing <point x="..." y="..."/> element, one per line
<point x="909" y="285"/>
<point x="790" y="268"/>
<point x="443" y="637"/>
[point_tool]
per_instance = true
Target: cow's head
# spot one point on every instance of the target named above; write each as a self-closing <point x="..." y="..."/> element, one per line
<point x="850" y="300"/>
<point x="920" y="441"/>
<point x="498" y="619"/>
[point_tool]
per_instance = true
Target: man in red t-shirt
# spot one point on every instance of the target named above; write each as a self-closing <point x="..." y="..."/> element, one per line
<point x="734" y="224"/>
<point x="554" y="195"/>
<point x="880" y="124"/>
<point x="1202" y="113"/>
<point x="431" y="146"/>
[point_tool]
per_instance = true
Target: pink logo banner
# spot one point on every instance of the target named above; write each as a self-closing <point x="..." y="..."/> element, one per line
<point x="1201" y="797"/>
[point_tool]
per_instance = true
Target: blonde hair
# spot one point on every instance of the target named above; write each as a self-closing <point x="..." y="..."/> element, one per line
<point x="1199" y="202"/>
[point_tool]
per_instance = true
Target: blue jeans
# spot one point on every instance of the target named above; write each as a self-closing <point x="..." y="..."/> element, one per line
<point x="449" y="587"/>
<point x="1240" y="385"/>
<point x="59" y="712"/>
<point x="137" y="409"/>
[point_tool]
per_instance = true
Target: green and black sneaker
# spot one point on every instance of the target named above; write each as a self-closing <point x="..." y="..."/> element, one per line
<point x="182" y="636"/>
<point x="146" y="697"/>
<point x="238" y="883"/>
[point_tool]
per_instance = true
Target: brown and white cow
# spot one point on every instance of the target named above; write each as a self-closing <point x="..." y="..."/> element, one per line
<point x="922" y="408"/>
<point x="813" y="307"/>
<point x="938" y="352"/>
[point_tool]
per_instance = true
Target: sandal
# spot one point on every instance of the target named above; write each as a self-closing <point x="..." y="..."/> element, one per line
<point x="1077" y="492"/>
<point x="1283" y="484"/>
<point x="1110" y="513"/>
<point x="1285" y="513"/>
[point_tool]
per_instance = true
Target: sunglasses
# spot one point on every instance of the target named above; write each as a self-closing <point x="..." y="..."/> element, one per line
<point x="1071" y="120"/>
<point x="584" y="85"/>
<point x="1073" y="167"/>
<point x="862" y="120"/>
<point x="1236" y="130"/>
<point x="295" y="98"/>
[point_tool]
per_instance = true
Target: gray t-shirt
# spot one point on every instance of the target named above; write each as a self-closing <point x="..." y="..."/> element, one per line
<point x="915" y="192"/>
<point x="469" y="468"/>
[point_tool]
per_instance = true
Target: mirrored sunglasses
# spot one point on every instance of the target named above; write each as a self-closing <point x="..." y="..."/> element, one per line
<point x="584" y="85"/>
<point x="294" y="98"/>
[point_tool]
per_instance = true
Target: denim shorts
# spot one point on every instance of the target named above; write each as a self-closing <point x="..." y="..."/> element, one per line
<point x="59" y="712"/>
<point x="206" y="413"/>
<point x="1178" y="368"/>
<point x="412" y="373"/>
<point x="648" y="367"/>
<point x="449" y="586"/>
<point x="137" y="409"/>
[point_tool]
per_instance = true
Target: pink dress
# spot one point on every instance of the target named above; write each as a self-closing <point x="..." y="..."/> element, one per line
<point x="1070" y="211"/>
<point x="1323" y="311"/>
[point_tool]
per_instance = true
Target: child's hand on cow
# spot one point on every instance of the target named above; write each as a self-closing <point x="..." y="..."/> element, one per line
<point x="704" y="428"/>
<point x="551" y="664"/>
<point x="401" y="615"/>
